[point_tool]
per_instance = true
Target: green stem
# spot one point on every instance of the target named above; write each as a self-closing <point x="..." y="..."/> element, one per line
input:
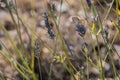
<point x="62" y="41"/>
<point x="101" y="67"/>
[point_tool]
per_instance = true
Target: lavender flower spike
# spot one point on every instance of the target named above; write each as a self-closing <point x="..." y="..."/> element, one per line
<point x="89" y="3"/>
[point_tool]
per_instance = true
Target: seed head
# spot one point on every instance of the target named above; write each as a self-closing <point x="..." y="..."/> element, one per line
<point x="47" y="23"/>
<point x="37" y="51"/>
<point x="51" y="34"/>
<point x="49" y="26"/>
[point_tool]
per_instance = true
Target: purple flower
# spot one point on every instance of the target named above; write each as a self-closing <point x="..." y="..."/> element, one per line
<point x="71" y="47"/>
<point x="49" y="26"/>
<point x="81" y="30"/>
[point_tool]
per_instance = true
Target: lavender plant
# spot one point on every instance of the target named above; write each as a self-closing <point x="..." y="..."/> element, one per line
<point x="92" y="56"/>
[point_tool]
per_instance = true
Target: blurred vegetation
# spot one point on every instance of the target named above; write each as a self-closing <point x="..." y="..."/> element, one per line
<point x="44" y="48"/>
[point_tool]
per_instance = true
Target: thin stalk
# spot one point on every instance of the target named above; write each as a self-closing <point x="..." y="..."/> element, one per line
<point x="92" y="41"/>
<point x="89" y="59"/>
<point x="87" y="69"/>
<point x="55" y="45"/>
<point x="69" y="70"/>
<point x="108" y="11"/>
<point x="14" y="46"/>
<point x="87" y="66"/>
<point x="6" y="49"/>
<point x="23" y="74"/>
<point x="111" y="45"/>
<point x="63" y="43"/>
<point x="101" y="67"/>
<point x="22" y="67"/>
<point x="40" y="69"/>
<point x="50" y="72"/>
<point x="16" y="26"/>
<point x="113" y="66"/>
<point x="32" y="52"/>
<point x="60" y="11"/>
